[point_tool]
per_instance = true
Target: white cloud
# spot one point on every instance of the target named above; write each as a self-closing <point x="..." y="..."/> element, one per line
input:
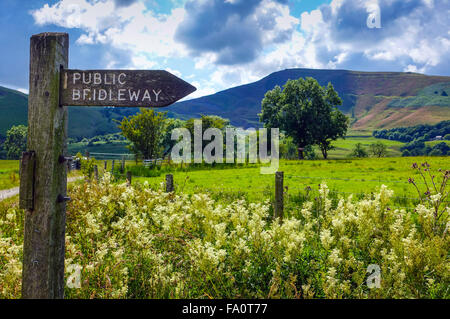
<point x="135" y="28"/>
<point x="414" y="37"/>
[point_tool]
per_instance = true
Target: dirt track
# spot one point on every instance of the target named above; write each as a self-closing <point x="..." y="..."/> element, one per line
<point x="7" y="193"/>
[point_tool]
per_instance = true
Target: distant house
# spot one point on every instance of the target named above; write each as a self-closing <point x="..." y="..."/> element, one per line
<point x="438" y="138"/>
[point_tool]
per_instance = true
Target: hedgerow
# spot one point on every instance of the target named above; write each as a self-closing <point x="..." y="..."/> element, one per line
<point x="138" y="242"/>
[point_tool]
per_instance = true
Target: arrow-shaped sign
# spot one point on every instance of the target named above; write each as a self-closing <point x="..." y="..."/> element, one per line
<point x="133" y="88"/>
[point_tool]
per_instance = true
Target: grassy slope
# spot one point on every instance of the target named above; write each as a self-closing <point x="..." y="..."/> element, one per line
<point x="13" y="109"/>
<point x="343" y="148"/>
<point x="9" y="174"/>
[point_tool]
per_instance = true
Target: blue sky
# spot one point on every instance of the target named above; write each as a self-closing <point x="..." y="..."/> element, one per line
<point x="217" y="44"/>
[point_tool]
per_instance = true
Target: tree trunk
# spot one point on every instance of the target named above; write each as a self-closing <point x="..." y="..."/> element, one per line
<point x="300" y="154"/>
<point x="324" y="153"/>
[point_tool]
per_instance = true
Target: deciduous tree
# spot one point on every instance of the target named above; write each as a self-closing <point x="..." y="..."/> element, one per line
<point x="16" y="141"/>
<point x="145" y="132"/>
<point x="305" y="111"/>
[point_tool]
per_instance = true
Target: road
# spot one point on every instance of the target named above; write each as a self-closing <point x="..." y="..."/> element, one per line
<point x="7" y="193"/>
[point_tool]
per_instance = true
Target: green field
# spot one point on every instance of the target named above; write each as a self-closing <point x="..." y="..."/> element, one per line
<point x="343" y="147"/>
<point x="433" y="143"/>
<point x="343" y="177"/>
<point x="9" y="174"/>
<point x="98" y="147"/>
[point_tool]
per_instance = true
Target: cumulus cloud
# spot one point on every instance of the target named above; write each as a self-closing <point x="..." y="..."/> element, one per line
<point x="239" y="41"/>
<point x="413" y="33"/>
<point x="125" y="25"/>
<point x="234" y="31"/>
<point x="124" y="3"/>
<point x="414" y="37"/>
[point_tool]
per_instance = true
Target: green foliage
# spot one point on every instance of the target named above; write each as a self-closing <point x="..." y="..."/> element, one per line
<point x="87" y="165"/>
<point x="208" y="121"/>
<point x="378" y="149"/>
<point x="419" y="132"/>
<point x="145" y="131"/>
<point x="16" y="141"/>
<point x="433" y="191"/>
<point x="171" y="124"/>
<point x="310" y="153"/>
<point x="139" y="242"/>
<point x="288" y="149"/>
<point x="359" y="151"/>
<point x="9" y="174"/>
<point x="306" y="112"/>
<point x="418" y="147"/>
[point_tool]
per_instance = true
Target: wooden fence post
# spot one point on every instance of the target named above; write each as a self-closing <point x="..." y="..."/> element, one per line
<point x="44" y="234"/>
<point x="279" y="205"/>
<point x="96" y="173"/>
<point x="87" y="155"/>
<point x="129" y="178"/>
<point x="122" y="168"/>
<point x="105" y="165"/>
<point x="112" y="168"/>
<point x="169" y="183"/>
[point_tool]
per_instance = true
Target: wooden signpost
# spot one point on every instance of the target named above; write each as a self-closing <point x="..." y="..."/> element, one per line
<point x="43" y="180"/>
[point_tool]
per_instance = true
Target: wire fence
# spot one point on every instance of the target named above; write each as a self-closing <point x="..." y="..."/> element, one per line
<point x="291" y="186"/>
<point x="112" y="156"/>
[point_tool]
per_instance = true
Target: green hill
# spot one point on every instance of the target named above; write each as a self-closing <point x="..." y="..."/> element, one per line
<point x="373" y="100"/>
<point x="366" y="98"/>
<point x="13" y="109"/>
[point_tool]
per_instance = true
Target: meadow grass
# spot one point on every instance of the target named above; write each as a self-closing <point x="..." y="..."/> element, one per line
<point x="343" y="177"/>
<point x="344" y="147"/>
<point x="433" y="143"/>
<point x="9" y="174"/>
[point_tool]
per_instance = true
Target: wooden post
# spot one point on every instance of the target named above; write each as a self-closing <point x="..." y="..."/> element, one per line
<point x="278" y="209"/>
<point x="87" y="155"/>
<point x="122" y="168"/>
<point x="169" y="183"/>
<point x="112" y="168"/>
<point x="106" y="165"/>
<point x="44" y="234"/>
<point x="96" y="173"/>
<point x="129" y="178"/>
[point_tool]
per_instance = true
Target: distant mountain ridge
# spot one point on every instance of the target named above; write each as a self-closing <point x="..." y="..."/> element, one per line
<point x="366" y="97"/>
<point x="373" y="100"/>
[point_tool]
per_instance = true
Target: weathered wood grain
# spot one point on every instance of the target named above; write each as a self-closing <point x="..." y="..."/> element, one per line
<point x="27" y="173"/>
<point x="43" y="254"/>
<point x="133" y="88"/>
<point x="169" y="183"/>
<point x="279" y="201"/>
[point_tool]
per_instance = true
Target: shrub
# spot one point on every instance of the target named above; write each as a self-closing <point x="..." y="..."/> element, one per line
<point x="378" y="149"/>
<point x="359" y="151"/>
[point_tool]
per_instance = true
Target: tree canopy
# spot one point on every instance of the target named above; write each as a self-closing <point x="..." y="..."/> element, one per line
<point x="16" y="141"/>
<point x="305" y="111"/>
<point x="145" y="131"/>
